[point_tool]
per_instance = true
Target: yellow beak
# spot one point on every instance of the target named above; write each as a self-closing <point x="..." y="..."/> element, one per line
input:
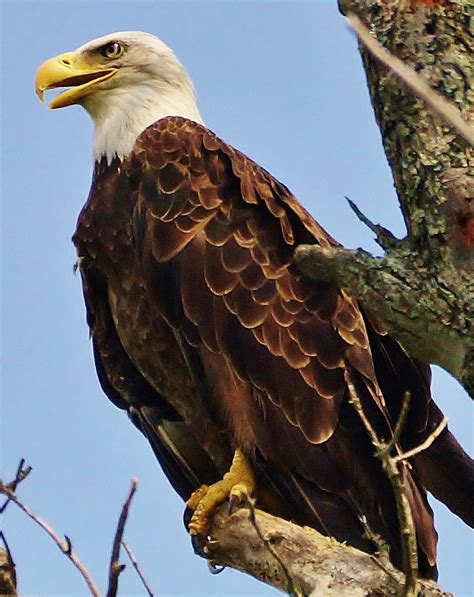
<point x="69" y="70"/>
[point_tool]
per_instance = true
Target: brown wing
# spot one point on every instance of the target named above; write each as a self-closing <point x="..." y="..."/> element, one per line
<point x="101" y="241"/>
<point x="215" y="236"/>
<point x="233" y="229"/>
<point x="211" y="243"/>
<point x="185" y="464"/>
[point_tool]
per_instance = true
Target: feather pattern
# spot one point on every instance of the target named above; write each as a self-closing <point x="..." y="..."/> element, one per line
<point x="263" y="220"/>
<point x="201" y="321"/>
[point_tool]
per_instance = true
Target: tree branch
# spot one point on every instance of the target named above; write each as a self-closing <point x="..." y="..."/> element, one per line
<point x="383" y="451"/>
<point x="138" y="570"/>
<point x="318" y="565"/>
<point x="116" y="568"/>
<point x="7" y="567"/>
<point x="430" y="318"/>
<point x="383" y="237"/>
<point x="435" y="100"/>
<point x="22" y="472"/>
<point x="424" y="445"/>
<point x="64" y="545"/>
<point x="423" y="288"/>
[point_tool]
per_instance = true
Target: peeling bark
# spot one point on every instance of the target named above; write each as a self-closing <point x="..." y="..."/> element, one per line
<point x="423" y="288"/>
<point x="300" y="561"/>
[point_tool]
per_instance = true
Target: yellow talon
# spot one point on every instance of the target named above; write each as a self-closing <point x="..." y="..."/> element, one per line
<point x="196" y="497"/>
<point x="237" y="485"/>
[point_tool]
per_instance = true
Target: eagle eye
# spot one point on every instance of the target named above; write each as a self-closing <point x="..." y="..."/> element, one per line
<point x="112" y="50"/>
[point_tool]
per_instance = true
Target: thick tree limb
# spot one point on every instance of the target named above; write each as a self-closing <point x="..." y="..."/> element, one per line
<point x="423" y="288"/>
<point x="427" y="316"/>
<point x="317" y="565"/>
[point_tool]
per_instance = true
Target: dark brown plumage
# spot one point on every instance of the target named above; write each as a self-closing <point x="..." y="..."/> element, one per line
<point x="207" y="334"/>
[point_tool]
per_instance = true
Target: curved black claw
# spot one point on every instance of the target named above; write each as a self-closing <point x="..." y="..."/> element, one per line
<point x="201" y="546"/>
<point x="215" y="568"/>
<point x="187" y="515"/>
<point x="200" y="543"/>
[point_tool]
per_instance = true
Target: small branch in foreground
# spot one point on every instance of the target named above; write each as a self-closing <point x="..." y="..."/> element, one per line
<point x="383" y="451"/>
<point x="116" y="567"/>
<point x="137" y="569"/>
<point x="425" y="445"/>
<point x="291" y="588"/>
<point x="419" y="86"/>
<point x="400" y="423"/>
<point x="21" y="473"/>
<point x="382" y="553"/>
<point x="64" y="546"/>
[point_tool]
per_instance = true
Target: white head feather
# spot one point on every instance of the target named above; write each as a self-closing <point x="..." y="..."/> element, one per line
<point x="150" y="84"/>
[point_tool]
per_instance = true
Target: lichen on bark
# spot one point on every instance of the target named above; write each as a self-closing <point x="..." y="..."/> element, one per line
<point x="423" y="288"/>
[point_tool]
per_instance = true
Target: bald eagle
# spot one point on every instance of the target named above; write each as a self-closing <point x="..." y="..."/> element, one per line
<point x="204" y="331"/>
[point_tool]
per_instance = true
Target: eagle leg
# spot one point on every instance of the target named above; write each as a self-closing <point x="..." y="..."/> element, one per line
<point x="237" y="485"/>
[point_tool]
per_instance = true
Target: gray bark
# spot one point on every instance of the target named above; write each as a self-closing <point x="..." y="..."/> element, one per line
<point x="422" y="289"/>
<point x="301" y="561"/>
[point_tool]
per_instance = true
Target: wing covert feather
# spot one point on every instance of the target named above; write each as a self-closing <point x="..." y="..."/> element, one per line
<point x="231" y="229"/>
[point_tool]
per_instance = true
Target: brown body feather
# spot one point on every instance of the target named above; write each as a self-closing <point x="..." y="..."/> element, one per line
<point x="205" y="331"/>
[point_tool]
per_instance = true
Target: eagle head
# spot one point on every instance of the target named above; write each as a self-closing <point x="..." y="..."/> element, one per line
<point x="126" y="81"/>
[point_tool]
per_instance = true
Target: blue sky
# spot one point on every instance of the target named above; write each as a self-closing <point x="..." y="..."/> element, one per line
<point x="281" y="81"/>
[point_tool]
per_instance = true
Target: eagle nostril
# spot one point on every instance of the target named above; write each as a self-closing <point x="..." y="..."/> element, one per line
<point x="66" y="61"/>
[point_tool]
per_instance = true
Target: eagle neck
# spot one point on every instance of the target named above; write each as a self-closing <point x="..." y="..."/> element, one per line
<point x="125" y="116"/>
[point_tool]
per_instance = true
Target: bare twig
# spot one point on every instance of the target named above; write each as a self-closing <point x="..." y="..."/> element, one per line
<point x="407" y="527"/>
<point x="292" y="587"/>
<point x="64" y="546"/>
<point x="425" y="445"/>
<point x="381" y="556"/>
<point x="383" y="237"/>
<point x="399" y="425"/>
<point x="116" y="567"/>
<point x="21" y="474"/>
<point x="137" y="568"/>
<point x="435" y="100"/>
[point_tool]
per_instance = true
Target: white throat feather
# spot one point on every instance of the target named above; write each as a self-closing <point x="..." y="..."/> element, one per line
<point x="123" y="115"/>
